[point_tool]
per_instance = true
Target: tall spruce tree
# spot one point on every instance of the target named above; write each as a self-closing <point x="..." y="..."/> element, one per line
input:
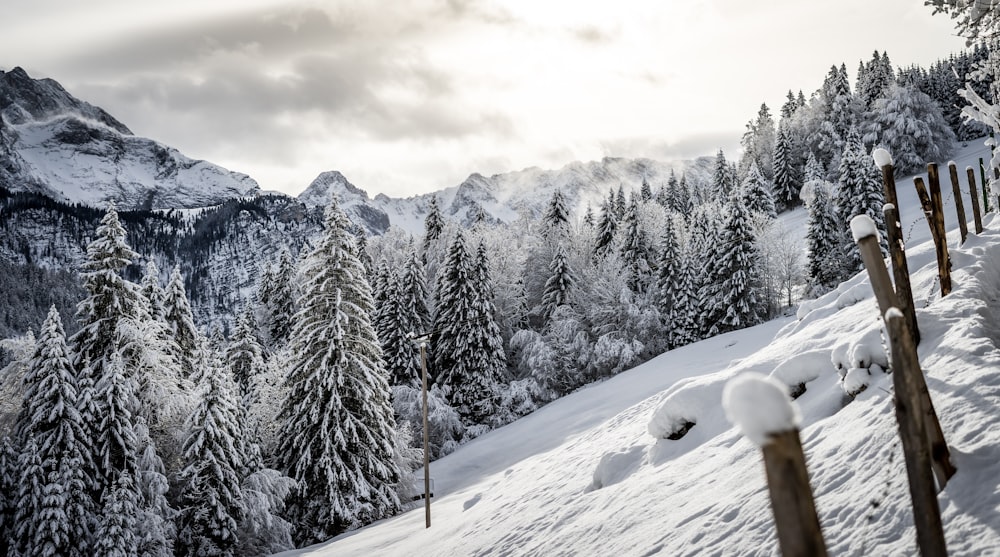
<point x="60" y="521"/>
<point x="635" y="250"/>
<point x="756" y="194"/>
<point x="559" y="287"/>
<point x="860" y="194"/>
<point x="246" y="357"/>
<point x="211" y="494"/>
<point x="280" y="305"/>
<point x="556" y="217"/>
<point x="180" y="320"/>
<point x="730" y="292"/>
<point x="115" y="535"/>
<point x="467" y="346"/>
<point x="607" y="225"/>
<point x="786" y="183"/>
<point x="824" y="244"/>
<point x="113" y="306"/>
<point x="152" y="291"/>
<point x="668" y="276"/>
<point x="337" y="428"/>
<point x="8" y="493"/>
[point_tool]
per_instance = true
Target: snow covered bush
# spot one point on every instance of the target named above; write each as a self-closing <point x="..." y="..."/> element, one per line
<point x="444" y="423"/>
<point x="909" y="124"/>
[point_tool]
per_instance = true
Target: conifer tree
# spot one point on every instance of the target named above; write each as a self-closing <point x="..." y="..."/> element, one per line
<point x="407" y="313"/>
<point x="786" y="184"/>
<point x="9" y="481"/>
<point x="620" y="205"/>
<point x="730" y="294"/>
<point x="645" y="191"/>
<point x="154" y="529"/>
<point x="860" y="194"/>
<point x="556" y="217"/>
<point x="246" y="357"/>
<point x="413" y="295"/>
<point x="606" y="228"/>
<point x="588" y="217"/>
<point x="401" y="356"/>
<point x="756" y="194"/>
<point x="281" y="300"/>
<point x="30" y="486"/>
<point x="668" y="276"/>
<point x="113" y="306"/>
<point x="433" y="226"/>
<point x="116" y="447"/>
<point x="722" y="178"/>
<point x="823" y="239"/>
<point x="635" y="250"/>
<point x="559" y="286"/>
<point x="683" y="317"/>
<point x="152" y="291"/>
<point x="211" y="494"/>
<point x="115" y="535"/>
<point x="467" y="346"/>
<point x="180" y="320"/>
<point x="60" y="524"/>
<point x="337" y="427"/>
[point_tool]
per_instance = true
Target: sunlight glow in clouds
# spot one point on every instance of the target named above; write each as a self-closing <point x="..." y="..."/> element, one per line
<point x="408" y="100"/>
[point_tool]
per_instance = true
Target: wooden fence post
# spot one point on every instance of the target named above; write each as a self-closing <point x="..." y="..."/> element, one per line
<point x="926" y="512"/>
<point x="761" y="408"/>
<point x="963" y="226"/>
<point x="866" y="236"/>
<point x="977" y="214"/>
<point x="900" y="269"/>
<point x="940" y="242"/>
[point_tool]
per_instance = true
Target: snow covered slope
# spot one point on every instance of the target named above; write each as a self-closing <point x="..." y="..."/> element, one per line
<point x="584" y="476"/>
<point x="57" y="145"/>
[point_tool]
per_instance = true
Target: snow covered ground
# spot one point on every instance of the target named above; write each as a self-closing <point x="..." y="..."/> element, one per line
<point x="584" y="475"/>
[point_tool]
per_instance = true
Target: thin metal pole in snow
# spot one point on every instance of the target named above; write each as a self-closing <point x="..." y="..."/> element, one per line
<point x="427" y="459"/>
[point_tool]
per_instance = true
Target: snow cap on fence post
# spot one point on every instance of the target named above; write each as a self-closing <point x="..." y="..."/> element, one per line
<point x="760" y="406"/>
<point x="882" y="157"/>
<point x="862" y="226"/>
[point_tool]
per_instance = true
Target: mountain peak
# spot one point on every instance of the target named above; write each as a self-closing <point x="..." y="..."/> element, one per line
<point x="24" y="99"/>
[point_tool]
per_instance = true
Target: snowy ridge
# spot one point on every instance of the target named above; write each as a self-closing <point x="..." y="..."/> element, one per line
<point x="54" y="144"/>
<point x="504" y="197"/>
<point x="583" y="476"/>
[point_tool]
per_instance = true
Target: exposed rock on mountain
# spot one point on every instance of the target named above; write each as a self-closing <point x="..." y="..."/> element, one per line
<point x="54" y="144"/>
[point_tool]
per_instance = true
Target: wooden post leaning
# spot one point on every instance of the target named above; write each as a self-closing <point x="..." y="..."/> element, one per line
<point x="866" y="236"/>
<point x="926" y="512"/>
<point x="795" y="514"/>
<point x="977" y="214"/>
<point x="897" y="253"/>
<point x="940" y="243"/>
<point x="900" y="270"/>
<point x="963" y="226"/>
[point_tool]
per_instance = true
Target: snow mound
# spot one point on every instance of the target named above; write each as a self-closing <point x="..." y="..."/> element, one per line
<point x="800" y="369"/>
<point x="862" y="226"/>
<point x="759" y="406"/>
<point x="882" y="157"/>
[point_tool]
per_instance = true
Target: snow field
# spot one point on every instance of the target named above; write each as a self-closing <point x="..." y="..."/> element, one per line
<point x="584" y="475"/>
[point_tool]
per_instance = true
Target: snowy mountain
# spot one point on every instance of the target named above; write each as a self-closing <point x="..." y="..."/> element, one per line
<point x="504" y="197"/>
<point x="590" y="474"/>
<point x="54" y="144"/>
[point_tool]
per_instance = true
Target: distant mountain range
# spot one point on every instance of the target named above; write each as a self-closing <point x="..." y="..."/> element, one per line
<point x="63" y="159"/>
<point x="54" y="144"/>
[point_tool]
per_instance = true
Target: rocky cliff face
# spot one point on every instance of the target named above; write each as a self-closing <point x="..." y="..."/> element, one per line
<point x="54" y="144"/>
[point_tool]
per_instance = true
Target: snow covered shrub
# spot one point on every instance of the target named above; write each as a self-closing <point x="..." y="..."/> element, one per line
<point x="443" y="421"/>
<point x="909" y="124"/>
<point x="517" y="400"/>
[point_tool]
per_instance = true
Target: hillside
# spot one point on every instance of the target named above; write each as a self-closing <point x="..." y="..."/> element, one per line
<point x="583" y="476"/>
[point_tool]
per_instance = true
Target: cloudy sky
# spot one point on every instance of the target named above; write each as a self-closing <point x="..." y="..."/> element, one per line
<point x="409" y="97"/>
